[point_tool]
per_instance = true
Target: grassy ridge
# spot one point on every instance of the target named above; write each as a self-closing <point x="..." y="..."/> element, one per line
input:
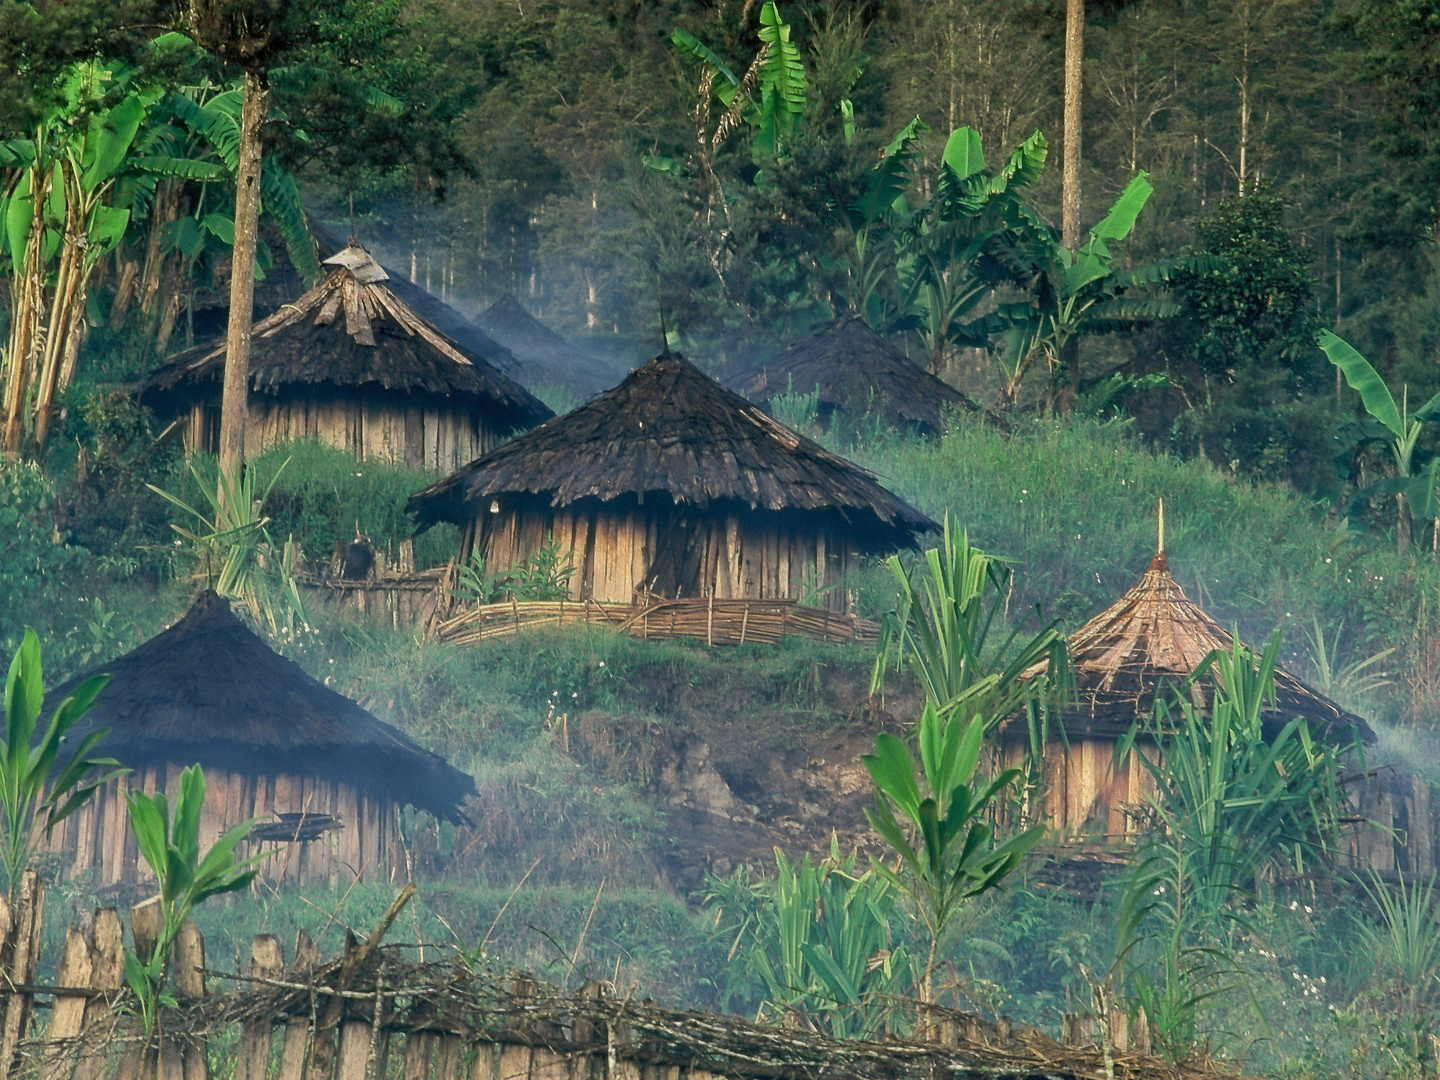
<point x="1073" y="505"/>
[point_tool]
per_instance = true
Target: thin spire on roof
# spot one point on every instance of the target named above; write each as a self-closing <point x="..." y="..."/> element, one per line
<point x="1161" y="548"/>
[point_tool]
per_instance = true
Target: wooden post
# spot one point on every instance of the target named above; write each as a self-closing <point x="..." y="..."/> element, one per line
<point x="67" y="1016"/>
<point x="18" y="957"/>
<point x="107" y="973"/>
<point x="252" y="1059"/>
<point x="297" y="1030"/>
<point x="188" y="966"/>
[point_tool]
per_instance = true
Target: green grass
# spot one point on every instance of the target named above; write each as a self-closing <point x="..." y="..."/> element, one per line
<point x="1073" y="505"/>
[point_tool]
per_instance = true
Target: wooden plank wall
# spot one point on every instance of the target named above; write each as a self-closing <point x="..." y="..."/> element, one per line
<point x="97" y="839"/>
<point x="1086" y="797"/>
<point x="612" y="549"/>
<point x="420" y="435"/>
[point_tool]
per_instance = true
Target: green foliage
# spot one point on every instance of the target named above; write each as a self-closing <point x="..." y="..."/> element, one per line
<point x="1070" y="504"/>
<point x="322" y="497"/>
<point x="32" y="800"/>
<point x="1253" y="304"/>
<point x="797" y="411"/>
<point x="948" y="607"/>
<point x="818" y="937"/>
<point x="38" y="569"/>
<point x="1229" y="803"/>
<point x="233" y="552"/>
<point x="542" y="575"/>
<point x="170" y="846"/>
<point x="934" y="821"/>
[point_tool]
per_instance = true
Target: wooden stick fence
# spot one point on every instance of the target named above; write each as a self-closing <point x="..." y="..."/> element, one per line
<point x="373" y="1015"/>
<point x="715" y="622"/>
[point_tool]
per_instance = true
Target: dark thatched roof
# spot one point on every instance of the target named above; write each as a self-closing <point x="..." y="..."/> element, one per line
<point x="1155" y="635"/>
<point x="208" y="690"/>
<point x="352" y="331"/>
<point x="544" y="357"/>
<point x="855" y="369"/>
<point x="671" y="429"/>
<point x="470" y="338"/>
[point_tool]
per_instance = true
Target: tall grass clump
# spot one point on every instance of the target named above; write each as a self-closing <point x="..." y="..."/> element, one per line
<point x="323" y="496"/>
<point x="1072" y="504"/>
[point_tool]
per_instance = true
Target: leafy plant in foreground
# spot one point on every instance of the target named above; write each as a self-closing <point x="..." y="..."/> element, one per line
<point x="934" y="821"/>
<point x="171" y="848"/>
<point x="819" y="940"/>
<point x="946" y="618"/>
<point x="32" y="799"/>
<point x="1229" y="801"/>
<point x="233" y="551"/>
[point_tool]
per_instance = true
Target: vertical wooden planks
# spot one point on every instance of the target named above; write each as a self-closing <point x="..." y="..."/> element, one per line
<point x="353" y="1060"/>
<point x="107" y="972"/>
<point x="252" y="1057"/>
<point x="67" y="1016"/>
<point x="188" y="967"/>
<point x="297" y="1028"/>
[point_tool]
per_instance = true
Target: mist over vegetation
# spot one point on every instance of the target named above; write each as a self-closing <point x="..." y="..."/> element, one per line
<point x="1241" y="322"/>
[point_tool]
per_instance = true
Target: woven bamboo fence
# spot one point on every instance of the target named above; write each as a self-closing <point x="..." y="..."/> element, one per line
<point x="715" y="622"/>
<point x="373" y="1014"/>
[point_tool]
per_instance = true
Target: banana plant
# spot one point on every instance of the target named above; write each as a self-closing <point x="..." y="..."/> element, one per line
<point x="947" y="263"/>
<point x="770" y="97"/>
<point x="1412" y="492"/>
<point x="1073" y="293"/>
<point x="823" y="948"/>
<point x="934" y="820"/>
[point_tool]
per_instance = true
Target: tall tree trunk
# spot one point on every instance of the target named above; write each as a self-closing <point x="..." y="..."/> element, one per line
<point x="234" y="394"/>
<point x="27" y="304"/>
<point x="1070" y="175"/>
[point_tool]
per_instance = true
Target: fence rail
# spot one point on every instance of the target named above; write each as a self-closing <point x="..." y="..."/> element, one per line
<point x="715" y="622"/>
<point x="372" y="1014"/>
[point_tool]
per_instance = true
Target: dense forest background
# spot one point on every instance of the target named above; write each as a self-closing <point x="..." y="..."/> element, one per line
<point x="1296" y="140"/>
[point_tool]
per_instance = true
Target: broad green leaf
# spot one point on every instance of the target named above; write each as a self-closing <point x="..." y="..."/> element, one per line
<point x="1374" y="394"/>
<point x="1116" y="224"/>
<point x="112" y="135"/>
<point x="691" y="45"/>
<point x="963" y="153"/>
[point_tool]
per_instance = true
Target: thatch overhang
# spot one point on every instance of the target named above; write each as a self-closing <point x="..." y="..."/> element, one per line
<point x="543" y="356"/>
<point x="669" y="430"/>
<point x="855" y="369"/>
<point x="353" y="332"/>
<point x="209" y="690"/>
<point x="1154" y="637"/>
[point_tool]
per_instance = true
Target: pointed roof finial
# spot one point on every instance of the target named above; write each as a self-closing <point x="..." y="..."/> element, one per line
<point x="1160" y="550"/>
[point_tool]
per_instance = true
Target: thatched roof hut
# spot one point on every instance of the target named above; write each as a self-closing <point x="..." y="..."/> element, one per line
<point x="1147" y="643"/>
<point x="352" y="364"/>
<point x="856" y="370"/>
<point x="1154" y="637"/>
<point x="275" y="744"/>
<point x="543" y="357"/>
<point x="672" y="485"/>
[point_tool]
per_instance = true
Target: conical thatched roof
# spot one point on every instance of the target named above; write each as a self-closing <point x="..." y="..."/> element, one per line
<point x="470" y="338"/>
<point x="544" y="357"/>
<point x="856" y="369"/>
<point x="208" y="690"/>
<point x="1156" y="635"/>
<point x="671" y="429"/>
<point x="352" y="331"/>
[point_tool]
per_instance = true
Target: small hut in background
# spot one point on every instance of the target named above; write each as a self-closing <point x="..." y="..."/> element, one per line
<point x="325" y="778"/>
<point x="544" y="358"/>
<point x="856" y="371"/>
<point x="672" y="486"/>
<point x="1149" y="640"/>
<point x="352" y="365"/>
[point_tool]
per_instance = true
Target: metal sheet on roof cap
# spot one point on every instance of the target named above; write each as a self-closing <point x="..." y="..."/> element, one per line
<point x="359" y="262"/>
